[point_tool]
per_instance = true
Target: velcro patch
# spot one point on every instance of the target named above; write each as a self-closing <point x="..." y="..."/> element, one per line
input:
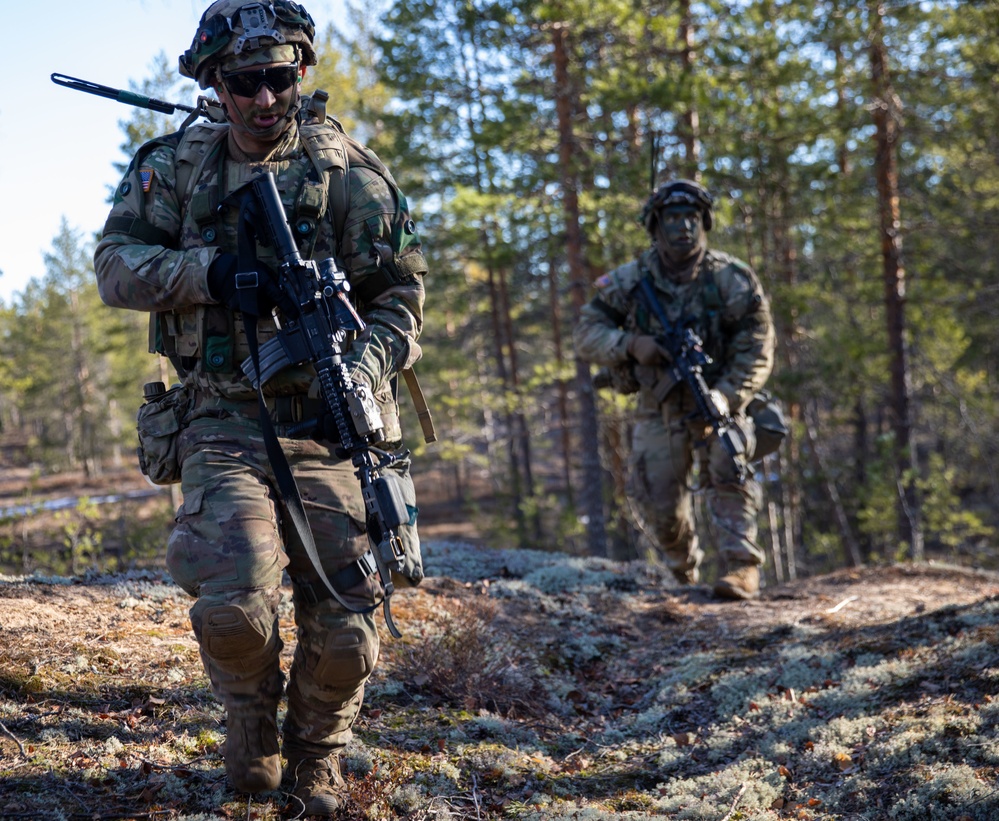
<point x="146" y="175"/>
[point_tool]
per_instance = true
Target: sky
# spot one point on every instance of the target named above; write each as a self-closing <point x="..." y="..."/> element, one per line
<point x="58" y="146"/>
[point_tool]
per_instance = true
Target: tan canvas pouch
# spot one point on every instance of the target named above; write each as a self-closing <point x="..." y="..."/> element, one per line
<point x="159" y="423"/>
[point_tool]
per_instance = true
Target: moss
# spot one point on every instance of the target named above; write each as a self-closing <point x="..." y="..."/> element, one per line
<point x="948" y="791"/>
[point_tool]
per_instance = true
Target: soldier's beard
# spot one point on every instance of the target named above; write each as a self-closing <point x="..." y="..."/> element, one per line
<point x="241" y="122"/>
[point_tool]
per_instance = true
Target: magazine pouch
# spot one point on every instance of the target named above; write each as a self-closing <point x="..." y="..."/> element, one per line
<point x="159" y="423"/>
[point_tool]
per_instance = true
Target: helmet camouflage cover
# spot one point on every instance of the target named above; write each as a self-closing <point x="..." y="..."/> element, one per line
<point x="235" y="27"/>
<point x="678" y="192"/>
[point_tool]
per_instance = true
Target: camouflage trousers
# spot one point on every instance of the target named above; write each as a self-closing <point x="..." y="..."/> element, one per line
<point x="660" y="483"/>
<point x="230" y="548"/>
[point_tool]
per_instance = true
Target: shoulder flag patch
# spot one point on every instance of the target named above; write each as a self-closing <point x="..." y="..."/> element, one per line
<point x="146" y="174"/>
<point x="602" y="281"/>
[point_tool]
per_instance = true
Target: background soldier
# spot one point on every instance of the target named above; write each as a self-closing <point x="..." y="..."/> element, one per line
<point x="722" y="300"/>
<point x="171" y="246"/>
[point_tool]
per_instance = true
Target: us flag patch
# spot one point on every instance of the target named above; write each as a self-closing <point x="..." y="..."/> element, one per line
<point x="602" y="281"/>
<point x="146" y="175"/>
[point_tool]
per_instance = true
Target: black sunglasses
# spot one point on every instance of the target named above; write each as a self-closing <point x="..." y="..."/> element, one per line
<point x="247" y="83"/>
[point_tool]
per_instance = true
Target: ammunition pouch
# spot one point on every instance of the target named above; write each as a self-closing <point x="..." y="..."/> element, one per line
<point x="767" y="414"/>
<point x="619" y="377"/>
<point x="159" y="422"/>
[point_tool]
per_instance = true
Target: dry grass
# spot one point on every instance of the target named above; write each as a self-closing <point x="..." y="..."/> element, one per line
<point x="538" y="686"/>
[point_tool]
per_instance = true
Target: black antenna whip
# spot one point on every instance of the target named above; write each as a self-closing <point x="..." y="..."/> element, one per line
<point x="126" y="97"/>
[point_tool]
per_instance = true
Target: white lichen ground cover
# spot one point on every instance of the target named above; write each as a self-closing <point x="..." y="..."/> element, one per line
<point x="538" y="686"/>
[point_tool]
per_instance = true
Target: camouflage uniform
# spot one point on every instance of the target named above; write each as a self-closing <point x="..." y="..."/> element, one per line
<point x="732" y="316"/>
<point x="230" y="546"/>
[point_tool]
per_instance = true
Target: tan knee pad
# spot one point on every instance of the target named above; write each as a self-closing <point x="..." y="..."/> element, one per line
<point x="346" y="661"/>
<point x="236" y="634"/>
<point x="227" y="633"/>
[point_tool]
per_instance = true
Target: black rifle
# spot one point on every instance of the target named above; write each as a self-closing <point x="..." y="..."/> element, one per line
<point x="688" y="360"/>
<point x="315" y="333"/>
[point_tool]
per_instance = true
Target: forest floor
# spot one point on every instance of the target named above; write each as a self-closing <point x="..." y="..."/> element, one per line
<point x="537" y="685"/>
<point x="527" y="685"/>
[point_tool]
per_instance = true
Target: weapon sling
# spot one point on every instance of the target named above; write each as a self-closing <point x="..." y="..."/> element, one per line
<point x="287" y="486"/>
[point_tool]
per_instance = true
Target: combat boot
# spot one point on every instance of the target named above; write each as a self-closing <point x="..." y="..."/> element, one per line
<point x="317" y="783"/>
<point x="686" y="565"/>
<point x="741" y="582"/>
<point x="691" y="575"/>
<point x="252" y="753"/>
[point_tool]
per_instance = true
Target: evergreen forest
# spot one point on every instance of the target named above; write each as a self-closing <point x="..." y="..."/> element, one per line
<point x="852" y="147"/>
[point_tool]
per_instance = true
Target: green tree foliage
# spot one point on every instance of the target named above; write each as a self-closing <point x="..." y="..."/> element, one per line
<point x="782" y="92"/>
<point x="769" y="103"/>
<point x="69" y="365"/>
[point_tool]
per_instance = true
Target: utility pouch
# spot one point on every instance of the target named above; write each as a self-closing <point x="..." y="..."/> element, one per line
<point x="401" y="497"/>
<point x="620" y="377"/>
<point x="767" y="414"/>
<point x="159" y="423"/>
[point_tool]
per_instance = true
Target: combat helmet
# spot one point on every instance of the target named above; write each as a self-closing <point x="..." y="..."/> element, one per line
<point x="678" y="192"/>
<point x="232" y="27"/>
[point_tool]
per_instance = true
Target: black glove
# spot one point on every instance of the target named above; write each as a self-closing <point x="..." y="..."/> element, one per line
<point x="222" y="280"/>
<point x="261" y="300"/>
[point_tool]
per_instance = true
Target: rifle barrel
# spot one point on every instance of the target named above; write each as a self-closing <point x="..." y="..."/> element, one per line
<point x="126" y="97"/>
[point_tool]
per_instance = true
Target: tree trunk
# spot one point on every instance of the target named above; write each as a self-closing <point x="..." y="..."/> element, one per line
<point x="591" y="500"/>
<point x="561" y="388"/>
<point x="516" y="489"/>
<point x="886" y="109"/>
<point x="520" y="431"/>
<point x="850" y="544"/>
<point x="82" y="431"/>
<point x="690" y="129"/>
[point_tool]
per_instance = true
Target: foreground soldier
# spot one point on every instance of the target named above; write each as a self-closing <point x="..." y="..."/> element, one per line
<point x="721" y="298"/>
<point x="171" y="247"/>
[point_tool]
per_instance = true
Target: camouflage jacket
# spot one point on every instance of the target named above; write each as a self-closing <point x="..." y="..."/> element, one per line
<point x="169" y="220"/>
<point x="724" y="303"/>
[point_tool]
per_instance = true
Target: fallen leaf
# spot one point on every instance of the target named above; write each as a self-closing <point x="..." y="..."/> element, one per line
<point x="149" y="793"/>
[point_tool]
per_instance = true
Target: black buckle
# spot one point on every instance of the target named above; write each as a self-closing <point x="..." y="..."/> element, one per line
<point x="247" y="279"/>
